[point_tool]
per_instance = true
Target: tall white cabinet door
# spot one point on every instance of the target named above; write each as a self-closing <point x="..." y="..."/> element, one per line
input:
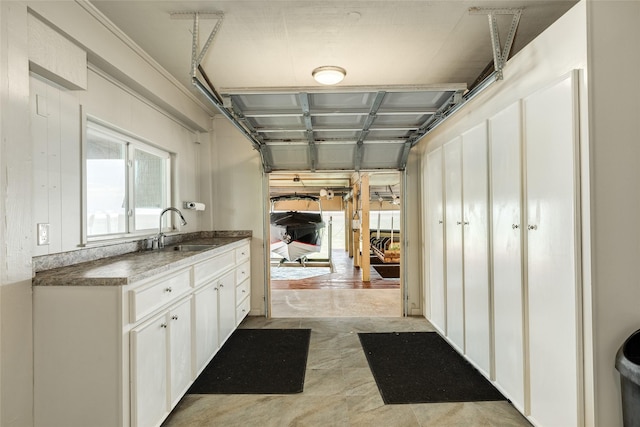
<point x="475" y="195"/>
<point x="435" y="227"/>
<point x="550" y="123"/>
<point x="180" y="350"/>
<point x="453" y="230"/>
<point x="508" y="314"/>
<point x="149" y="345"/>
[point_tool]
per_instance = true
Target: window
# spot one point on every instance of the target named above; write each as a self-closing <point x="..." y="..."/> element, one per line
<point x="127" y="183"/>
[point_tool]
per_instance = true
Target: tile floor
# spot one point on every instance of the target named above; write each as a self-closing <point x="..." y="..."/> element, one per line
<point x="339" y="389"/>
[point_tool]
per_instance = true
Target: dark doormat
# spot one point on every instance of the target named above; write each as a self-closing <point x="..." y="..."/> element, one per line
<point x="257" y="361"/>
<point x="421" y="367"/>
<point x="388" y="271"/>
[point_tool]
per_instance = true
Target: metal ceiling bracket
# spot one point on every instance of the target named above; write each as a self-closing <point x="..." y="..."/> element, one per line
<point x="500" y="54"/>
<point x="196" y="58"/>
<point x="210" y="92"/>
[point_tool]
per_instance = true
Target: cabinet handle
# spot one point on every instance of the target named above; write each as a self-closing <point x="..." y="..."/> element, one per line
<point x="174" y="317"/>
<point x="532" y="227"/>
<point x="164" y="325"/>
<point x="439" y="221"/>
<point x="515" y="226"/>
<point x="168" y="289"/>
<point x="243" y="291"/>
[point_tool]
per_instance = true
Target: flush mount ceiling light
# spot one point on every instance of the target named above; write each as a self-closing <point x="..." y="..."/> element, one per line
<point x="329" y="75"/>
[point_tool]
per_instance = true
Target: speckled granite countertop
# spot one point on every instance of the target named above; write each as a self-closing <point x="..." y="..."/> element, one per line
<point x="130" y="267"/>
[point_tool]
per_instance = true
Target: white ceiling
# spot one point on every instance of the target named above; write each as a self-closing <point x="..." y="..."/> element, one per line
<point x="273" y="46"/>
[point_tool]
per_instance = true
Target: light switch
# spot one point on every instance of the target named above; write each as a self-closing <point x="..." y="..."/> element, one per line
<point x="43" y="234"/>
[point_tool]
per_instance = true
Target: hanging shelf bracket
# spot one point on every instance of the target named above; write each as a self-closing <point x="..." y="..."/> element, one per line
<point x="500" y="54"/>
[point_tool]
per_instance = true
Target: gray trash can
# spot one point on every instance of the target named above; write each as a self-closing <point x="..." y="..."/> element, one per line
<point x="628" y="364"/>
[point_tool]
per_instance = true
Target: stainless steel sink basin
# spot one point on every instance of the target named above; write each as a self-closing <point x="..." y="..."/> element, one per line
<point x="189" y="248"/>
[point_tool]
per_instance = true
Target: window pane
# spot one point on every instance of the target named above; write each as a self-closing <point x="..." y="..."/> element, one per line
<point x="150" y="189"/>
<point x="106" y="186"/>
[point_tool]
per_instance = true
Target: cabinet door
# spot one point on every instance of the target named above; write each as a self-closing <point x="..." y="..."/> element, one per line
<point x="180" y="349"/>
<point x="552" y="285"/>
<point x="206" y="325"/>
<point x="475" y="196"/>
<point x="435" y="228"/>
<point x="226" y="306"/>
<point x="508" y="314"/>
<point x="453" y="230"/>
<point x="149" y="346"/>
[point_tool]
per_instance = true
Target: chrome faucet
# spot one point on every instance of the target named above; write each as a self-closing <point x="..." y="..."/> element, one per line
<point x="160" y="237"/>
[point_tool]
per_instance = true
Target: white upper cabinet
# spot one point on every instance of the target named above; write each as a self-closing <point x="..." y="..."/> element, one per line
<point x="506" y="195"/>
<point x="475" y="196"/>
<point x="551" y="189"/>
<point x="435" y="227"/>
<point x="453" y="244"/>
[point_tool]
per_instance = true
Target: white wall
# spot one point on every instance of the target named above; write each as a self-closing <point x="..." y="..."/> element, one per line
<point x="614" y="134"/>
<point x="16" y="348"/>
<point x="147" y="104"/>
<point x="237" y="197"/>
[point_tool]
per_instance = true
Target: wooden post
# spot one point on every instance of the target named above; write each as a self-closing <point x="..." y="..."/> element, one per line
<point x="348" y="235"/>
<point x="356" y="232"/>
<point x="364" y="229"/>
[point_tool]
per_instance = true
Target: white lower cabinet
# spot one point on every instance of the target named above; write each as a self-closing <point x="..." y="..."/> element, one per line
<point x="123" y="356"/>
<point x="226" y="306"/>
<point x="161" y="364"/>
<point x="205" y="313"/>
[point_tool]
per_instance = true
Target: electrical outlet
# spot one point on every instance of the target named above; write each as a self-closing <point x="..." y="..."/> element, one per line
<point x="43" y="234"/>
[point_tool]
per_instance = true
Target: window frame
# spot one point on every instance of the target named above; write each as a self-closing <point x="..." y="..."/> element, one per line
<point x="131" y="143"/>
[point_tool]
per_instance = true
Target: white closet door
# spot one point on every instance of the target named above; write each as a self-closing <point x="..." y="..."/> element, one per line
<point x="435" y="227"/>
<point x="453" y="230"/>
<point x="550" y="123"/>
<point x="475" y="195"/>
<point x="506" y="183"/>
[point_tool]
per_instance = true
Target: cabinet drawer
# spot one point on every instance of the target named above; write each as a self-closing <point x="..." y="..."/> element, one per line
<point x="211" y="267"/>
<point x="243" y="309"/>
<point x="242" y="253"/>
<point x="148" y="298"/>
<point x="243" y="272"/>
<point x="242" y="290"/>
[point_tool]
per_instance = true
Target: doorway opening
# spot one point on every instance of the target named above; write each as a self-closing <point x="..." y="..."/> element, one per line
<point x="336" y="242"/>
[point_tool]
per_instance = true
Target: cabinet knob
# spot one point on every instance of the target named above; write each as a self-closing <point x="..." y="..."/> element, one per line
<point x="174" y="317"/>
<point x="215" y="289"/>
<point x="440" y="221"/>
<point x="164" y="325"/>
<point x="168" y="289"/>
<point x="515" y="226"/>
<point x="532" y="227"/>
<point x="221" y="285"/>
<point x="242" y="253"/>
<point x="243" y="291"/>
<point x="458" y="222"/>
<point x="466" y="223"/>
